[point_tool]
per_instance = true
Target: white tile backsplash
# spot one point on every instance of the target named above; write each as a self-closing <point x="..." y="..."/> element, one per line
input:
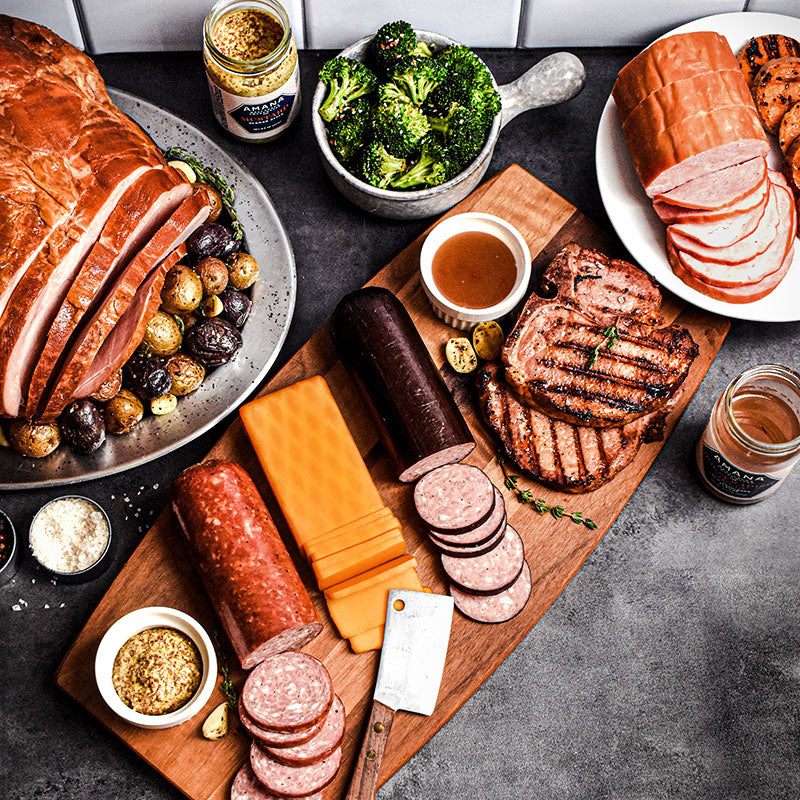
<point x="588" y="23"/>
<point x="337" y="23"/>
<point x="789" y="7"/>
<point x="58" y="15"/>
<point x="133" y="25"/>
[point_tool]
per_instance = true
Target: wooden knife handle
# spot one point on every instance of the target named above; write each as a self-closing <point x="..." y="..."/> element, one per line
<point x="364" y="782"/>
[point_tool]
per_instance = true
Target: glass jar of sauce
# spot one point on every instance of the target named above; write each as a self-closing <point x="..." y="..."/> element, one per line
<point x="252" y="68"/>
<point x="752" y="439"/>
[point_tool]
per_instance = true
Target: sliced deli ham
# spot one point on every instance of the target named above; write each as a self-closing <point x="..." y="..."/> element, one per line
<point x="752" y="206"/>
<point x="720" y="189"/>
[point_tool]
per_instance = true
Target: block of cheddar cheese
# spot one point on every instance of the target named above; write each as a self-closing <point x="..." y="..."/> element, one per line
<point x="358" y="604"/>
<point x="358" y="559"/>
<point x="310" y="459"/>
<point x="335" y="543"/>
<point x="381" y="519"/>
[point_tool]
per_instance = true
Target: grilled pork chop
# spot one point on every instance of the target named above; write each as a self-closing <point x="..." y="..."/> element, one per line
<point x="548" y="355"/>
<point x="572" y="458"/>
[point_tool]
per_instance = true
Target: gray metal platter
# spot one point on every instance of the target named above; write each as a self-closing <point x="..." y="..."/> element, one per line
<point x="224" y="388"/>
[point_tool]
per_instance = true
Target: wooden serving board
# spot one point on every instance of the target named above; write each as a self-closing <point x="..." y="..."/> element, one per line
<point x="159" y="571"/>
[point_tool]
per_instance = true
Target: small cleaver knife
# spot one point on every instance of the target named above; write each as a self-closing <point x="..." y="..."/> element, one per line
<point x="412" y="661"/>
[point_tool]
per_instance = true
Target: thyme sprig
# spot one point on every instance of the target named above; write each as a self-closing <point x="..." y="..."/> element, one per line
<point x="226" y="687"/>
<point x="526" y="497"/>
<point x="214" y="178"/>
<point x="610" y="337"/>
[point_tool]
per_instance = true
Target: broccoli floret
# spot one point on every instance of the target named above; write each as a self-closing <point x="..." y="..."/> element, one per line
<point x="347" y="80"/>
<point x="379" y="167"/>
<point x="422" y="49"/>
<point x="390" y="92"/>
<point x="418" y="77"/>
<point x="400" y="126"/>
<point x="433" y="167"/>
<point x="463" y="131"/>
<point x="347" y="132"/>
<point x="468" y="83"/>
<point x="393" y="41"/>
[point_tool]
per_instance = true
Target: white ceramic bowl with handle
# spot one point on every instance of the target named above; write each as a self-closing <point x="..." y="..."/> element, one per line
<point x="553" y="80"/>
<point x="133" y="623"/>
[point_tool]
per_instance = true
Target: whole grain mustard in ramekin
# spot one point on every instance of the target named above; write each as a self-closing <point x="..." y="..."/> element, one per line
<point x="252" y="68"/>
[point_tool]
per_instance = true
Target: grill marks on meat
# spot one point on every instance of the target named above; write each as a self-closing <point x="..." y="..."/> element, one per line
<point x="561" y="455"/>
<point x="548" y="354"/>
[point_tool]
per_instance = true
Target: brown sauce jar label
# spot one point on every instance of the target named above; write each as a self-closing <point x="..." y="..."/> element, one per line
<point x="731" y="480"/>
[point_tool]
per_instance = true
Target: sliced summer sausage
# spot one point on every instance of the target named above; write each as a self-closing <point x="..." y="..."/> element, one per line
<point x="318" y="748"/>
<point x="247" y="787"/>
<point x="498" y="607"/>
<point x="417" y="419"/>
<point x="472" y="550"/>
<point x="293" y="781"/>
<point x="276" y="738"/>
<point x="456" y="498"/>
<point x="288" y="692"/>
<point x="491" y="573"/>
<point x="244" y="565"/>
<point x="483" y="533"/>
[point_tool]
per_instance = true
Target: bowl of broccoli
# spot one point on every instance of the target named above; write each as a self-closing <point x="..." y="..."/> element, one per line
<point x="407" y="120"/>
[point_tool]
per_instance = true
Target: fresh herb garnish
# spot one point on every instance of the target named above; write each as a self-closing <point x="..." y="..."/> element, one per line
<point x="226" y="687"/>
<point x="610" y="338"/>
<point x="526" y="497"/>
<point x="214" y="178"/>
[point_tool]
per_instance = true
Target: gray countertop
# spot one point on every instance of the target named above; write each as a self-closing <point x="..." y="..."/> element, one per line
<point x="668" y="668"/>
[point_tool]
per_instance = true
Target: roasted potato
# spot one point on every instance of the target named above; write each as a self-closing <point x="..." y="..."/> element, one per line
<point x="123" y="412"/>
<point x="163" y="335"/>
<point x="213" y="273"/>
<point x="242" y="271"/>
<point x="487" y="339"/>
<point x="211" y="306"/>
<point x="183" y="290"/>
<point x="109" y="388"/>
<point x="461" y="355"/>
<point x="33" y="439"/>
<point x="187" y="374"/>
<point x="165" y="404"/>
<point x="216" y="202"/>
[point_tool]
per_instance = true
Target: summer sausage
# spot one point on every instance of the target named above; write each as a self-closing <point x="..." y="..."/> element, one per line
<point x="247" y="787"/>
<point x="243" y="563"/>
<point x="417" y="419"/>
<point x="491" y="573"/>
<point x="456" y="498"/>
<point x="483" y="533"/>
<point x="498" y="607"/>
<point x="286" y="781"/>
<point x="318" y="748"/>
<point x="469" y="551"/>
<point x="288" y="692"/>
<point x="276" y="738"/>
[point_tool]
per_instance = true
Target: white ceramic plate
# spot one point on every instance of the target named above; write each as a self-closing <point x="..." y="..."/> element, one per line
<point x="631" y="212"/>
<point x="273" y="296"/>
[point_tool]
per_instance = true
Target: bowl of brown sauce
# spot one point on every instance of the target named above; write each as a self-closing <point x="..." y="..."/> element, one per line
<point x="474" y="267"/>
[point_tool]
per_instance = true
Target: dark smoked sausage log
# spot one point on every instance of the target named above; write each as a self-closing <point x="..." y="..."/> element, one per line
<point x="417" y="419"/>
<point x="242" y="561"/>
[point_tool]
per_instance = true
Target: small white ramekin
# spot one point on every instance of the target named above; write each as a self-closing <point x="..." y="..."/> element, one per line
<point x="133" y="623"/>
<point x="467" y="318"/>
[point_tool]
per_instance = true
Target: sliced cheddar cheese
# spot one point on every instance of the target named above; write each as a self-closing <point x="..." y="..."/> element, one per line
<point x="358" y="604"/>
<point x="383" y="514"/>
<point x="356" y="560"/>
<point x="335" y="543"/>
<point x="369" y="640"/>
<point x="310" y="459"/>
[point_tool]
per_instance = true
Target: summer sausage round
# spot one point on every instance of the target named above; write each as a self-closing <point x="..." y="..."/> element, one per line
<point x="492" y="572"/>
<point x="456" y="498"/>
<point x="288" y="692"/>
<point x="480" y="535"/>
<point x="497" y="607"/>
<point x="276" y="738"/>
<point x="293" y="781"/>
<point x="247" y="787"/>
<point x="318" y="748"/>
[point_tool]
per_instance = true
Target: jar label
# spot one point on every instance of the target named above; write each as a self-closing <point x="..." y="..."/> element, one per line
<point x="261" y="117"/>
<point x="730" y="479"/>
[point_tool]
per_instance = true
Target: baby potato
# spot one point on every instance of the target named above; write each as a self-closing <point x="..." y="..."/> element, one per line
<point x="216" y="201"/>
<point x="163" y="335"/>
<point x="461" y="355"/>
<point x="33" y="439"/>
<point x="123" y="412"/>
<point x="187" y="374"/>
<point x="487" y="339"/>
<point x="242" y="271"/>
<point x="182" y="291"/>
<point x="213" y="273"/>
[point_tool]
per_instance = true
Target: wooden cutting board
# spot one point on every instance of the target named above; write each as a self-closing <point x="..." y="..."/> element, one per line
<point x="159" y="571"/>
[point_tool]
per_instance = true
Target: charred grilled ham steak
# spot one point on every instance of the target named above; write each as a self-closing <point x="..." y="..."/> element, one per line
<point x="572" y="458"/>
<point x="549" y="354"/>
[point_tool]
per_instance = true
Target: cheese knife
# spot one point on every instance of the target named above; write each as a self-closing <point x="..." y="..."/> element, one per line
<point x="412" y="662"/>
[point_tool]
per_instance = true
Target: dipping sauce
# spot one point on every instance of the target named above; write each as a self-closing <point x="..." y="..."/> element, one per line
<point x="752" y="439"/>
<point x="474" y="269"/>
<point x="157" y="671"/>
<point x="252" y="69"/>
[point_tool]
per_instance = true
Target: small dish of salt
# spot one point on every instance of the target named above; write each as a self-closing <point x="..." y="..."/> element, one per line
<point x="70" y="537"/>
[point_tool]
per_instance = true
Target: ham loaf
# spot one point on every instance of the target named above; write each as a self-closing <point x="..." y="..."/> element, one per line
<point x="674" y="58"/>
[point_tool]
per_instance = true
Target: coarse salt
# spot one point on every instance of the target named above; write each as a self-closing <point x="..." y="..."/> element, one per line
<point x="69" y="535"/>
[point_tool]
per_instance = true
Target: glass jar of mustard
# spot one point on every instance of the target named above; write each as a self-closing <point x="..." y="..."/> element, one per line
<point x="252" y="69"/>
<point x="752" y="439"/>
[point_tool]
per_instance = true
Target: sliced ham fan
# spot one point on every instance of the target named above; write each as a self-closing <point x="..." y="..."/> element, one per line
<point x="753" y="204"/>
